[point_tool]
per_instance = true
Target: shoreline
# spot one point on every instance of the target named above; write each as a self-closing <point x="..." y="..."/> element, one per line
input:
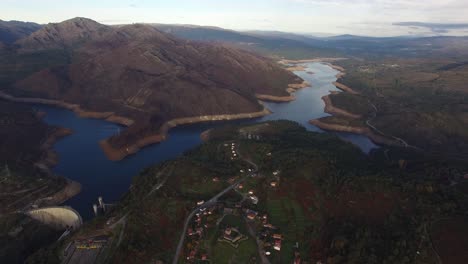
<point x="108" y="116"/>
<point x="117" y="154"/>
<point x="335" y="111"/>
<point x="49" y="160"/>
<point x="326" y="61"/>
<point x="344" y="88"/>
<point x="292" y="88"/>
<point x="365" y="131"/>
<point x="286" y="61"/>
<point x="114" y="154"/>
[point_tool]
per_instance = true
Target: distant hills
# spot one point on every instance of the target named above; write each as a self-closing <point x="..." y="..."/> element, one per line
<point x="299" y="46"/>
<point x="276" y="44"/>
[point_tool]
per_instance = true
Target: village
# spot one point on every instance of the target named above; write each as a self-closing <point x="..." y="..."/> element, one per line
<point x="235" y="222"/>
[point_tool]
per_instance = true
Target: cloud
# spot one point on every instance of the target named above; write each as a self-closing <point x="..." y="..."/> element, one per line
<point x="434" y="27"/>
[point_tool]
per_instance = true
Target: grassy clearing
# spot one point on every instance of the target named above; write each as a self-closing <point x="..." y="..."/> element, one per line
<point x="225" y="253"/>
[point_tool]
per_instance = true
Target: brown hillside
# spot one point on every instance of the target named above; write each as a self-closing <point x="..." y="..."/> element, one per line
<point x="139" y="72"/>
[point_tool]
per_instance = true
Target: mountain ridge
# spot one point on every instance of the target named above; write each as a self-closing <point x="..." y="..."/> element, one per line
<point x="140" y="73"/>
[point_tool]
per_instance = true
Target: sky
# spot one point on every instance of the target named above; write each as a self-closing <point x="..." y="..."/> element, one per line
<point x="358" y="17"/>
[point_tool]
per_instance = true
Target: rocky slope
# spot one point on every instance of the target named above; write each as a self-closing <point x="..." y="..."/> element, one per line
<point x="10" y="31"/>
<point x="141" y="73"/>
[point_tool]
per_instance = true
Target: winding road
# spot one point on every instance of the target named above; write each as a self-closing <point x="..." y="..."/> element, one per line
<point x="376" y="130"/>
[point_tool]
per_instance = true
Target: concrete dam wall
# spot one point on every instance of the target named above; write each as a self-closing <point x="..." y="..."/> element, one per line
<point x="59" y="217"/>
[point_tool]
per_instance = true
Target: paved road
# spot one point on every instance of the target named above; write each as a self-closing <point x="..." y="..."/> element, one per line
<point x="374" y="115"/>
<point x="209" y="203"/>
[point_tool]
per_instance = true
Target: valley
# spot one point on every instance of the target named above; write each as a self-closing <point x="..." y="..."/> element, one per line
<point x="295" y="194"/>
<point x="197" y="144"/>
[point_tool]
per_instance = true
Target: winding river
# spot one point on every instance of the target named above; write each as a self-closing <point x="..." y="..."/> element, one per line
<point x="82" y="160"/>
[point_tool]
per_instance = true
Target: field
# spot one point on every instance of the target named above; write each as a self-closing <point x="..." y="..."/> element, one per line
<point x="224" y="253"/>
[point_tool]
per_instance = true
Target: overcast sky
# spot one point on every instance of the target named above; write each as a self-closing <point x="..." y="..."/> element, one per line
<point x="361" y="17"/>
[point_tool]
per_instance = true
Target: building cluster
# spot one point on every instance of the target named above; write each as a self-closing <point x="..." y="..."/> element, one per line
<point x="233" y="236"/>
<point x="197" y="232"/>
<point x="250" y="136"/>
<point x="233" y="152"/>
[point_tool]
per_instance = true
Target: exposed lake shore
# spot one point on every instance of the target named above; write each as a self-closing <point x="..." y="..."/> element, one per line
<point x="117" y="154"/>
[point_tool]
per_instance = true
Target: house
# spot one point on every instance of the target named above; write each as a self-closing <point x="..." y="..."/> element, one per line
<point x="190" y="231"/>
<point x="277" y="236"/>
<point x="297" y="260"/>
<point x="192" y="255"/>
<point x="216" y="179"/>
<point x="297" y="257"/>
<point x="275" y="173"/>
<point x="254" y="199"/>
<point x="273" y="184"/>
<point x="233" y="236"/>
<point x="277" y="245"/>
<point x="251" y="214"/>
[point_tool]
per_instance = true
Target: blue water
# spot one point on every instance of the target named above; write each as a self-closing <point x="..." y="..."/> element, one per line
<point x="82" y="160"/>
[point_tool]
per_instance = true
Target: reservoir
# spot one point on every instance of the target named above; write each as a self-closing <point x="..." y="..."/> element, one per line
<point x="81" y="159"/>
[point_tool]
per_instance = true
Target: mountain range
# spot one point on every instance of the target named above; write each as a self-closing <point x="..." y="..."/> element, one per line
<point x="137" y="73"/>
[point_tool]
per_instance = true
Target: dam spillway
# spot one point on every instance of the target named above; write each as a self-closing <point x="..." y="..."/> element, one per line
<point x="58" y="217"/>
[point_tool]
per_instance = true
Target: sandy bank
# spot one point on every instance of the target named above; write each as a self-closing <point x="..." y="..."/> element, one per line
<point x="344" y="88"/>
<point x="311" y="60"/>
<point x="205" y="135"/>
<point x="336" y="67"/>
<point x="331" y="109"/>
<point x="117" y="154"/>
<point x="378" y="139"/>
<point x="108" y="116"/>
<point x="272" y="98"/>
<point x="327" y="61"/>
<point x="50" y="157"/>
<point x="292" y="88"/>
<point x="70" y="189"/>
<point x="296" y="68"/>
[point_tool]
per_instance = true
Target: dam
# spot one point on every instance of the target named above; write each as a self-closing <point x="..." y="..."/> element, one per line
<point x="57" y="217"/>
